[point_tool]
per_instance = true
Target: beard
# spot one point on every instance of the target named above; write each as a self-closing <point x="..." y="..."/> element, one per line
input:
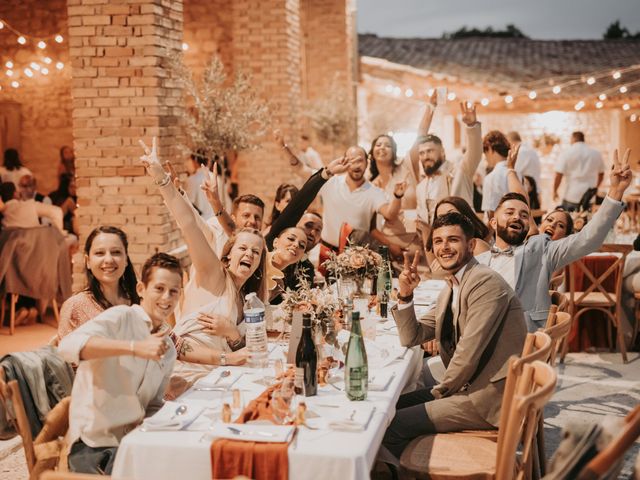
<point x="512" y="238"/>
<point x="430" y="170"/>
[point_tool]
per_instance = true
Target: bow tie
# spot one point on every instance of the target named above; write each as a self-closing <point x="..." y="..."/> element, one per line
<point x="496" y="252"/>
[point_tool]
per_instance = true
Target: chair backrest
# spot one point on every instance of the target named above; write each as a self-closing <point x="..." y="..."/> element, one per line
<point x="558" y="331"/>
<point x="51" y="475"/>
<point x="534" y="385"/>
<point x="579" y="267"/>
<point x="48" y="445"/>
<point x="615" y="450"/>
<point x="537" y="346"/>
<point x="551" y="316"/>
<point x="10" y="392"/>
<point x="559" y="300"/>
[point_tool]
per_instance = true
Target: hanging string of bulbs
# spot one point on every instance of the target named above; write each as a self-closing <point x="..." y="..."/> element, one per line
<point x="43" y="64"/>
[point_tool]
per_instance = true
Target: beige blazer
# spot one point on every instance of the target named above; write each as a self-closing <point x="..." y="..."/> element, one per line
<point x="491" y="328"/>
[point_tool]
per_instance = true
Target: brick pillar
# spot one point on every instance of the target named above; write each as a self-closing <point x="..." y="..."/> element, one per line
<point x="121" y="94"/>
<point x="266" y="45"/>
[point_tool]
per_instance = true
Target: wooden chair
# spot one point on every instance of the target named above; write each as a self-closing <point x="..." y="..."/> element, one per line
<point x="605" y="459"/>
<point x="558" y="330"/>
<point x="448" y="456"/>
<point x="559" y="300"/>
<point x="13" y="299"/>
<point x="44" y="452"/>
<point x="596" y="297"/>
<point x="51" y="475"/>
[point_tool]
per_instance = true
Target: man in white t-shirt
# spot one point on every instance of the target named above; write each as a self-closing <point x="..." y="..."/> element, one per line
<point x="354" y="200"/>
<point x="584" y="168"/>
<point x="309" y="156"/>
<point x="528" y="163"/>
<point x="496" y="149"/>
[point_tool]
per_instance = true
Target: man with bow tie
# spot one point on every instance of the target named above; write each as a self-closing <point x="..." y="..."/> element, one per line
<point x="478" y="323"/>
<point x="527" y="264"/>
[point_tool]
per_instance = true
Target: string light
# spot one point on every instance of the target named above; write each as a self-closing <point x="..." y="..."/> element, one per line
<point x="22" y="40"/>
<point x="9" y="64"/>
<point x="28" y="72"/>
<point x="397" y="91"/>
<point x="59" y="65"/>
<point x="59" y="38"/>
<point x="185" y="46"/>
<point x="591" y="80"/>
<point x="408" y="93"/>
<point x="1" y="25"/>
<point x="599" y="104"/>
<point x="35" y="66"/>
<point x="616" y="75"/>
<point x="15" y="84"/>
<point x="633" y="117"/>
<point x="47" y="60"/>
<point x="626" y="107"/>
<point x="484" y="102"/>
<point x="9" y="73"/>
<point x="579" y="106"/>
<point x="533" y="94"/>
<point x="42" y="45"/>
<point x="451" y="96"/>
<point x="508" y="99"/>
<point x="602" y="96"/>
<point x="44" y="71"/>
<point x="557" y="89"/>
<point x="623" y="89"/>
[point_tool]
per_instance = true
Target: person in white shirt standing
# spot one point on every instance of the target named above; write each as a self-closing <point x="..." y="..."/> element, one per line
<point x="309" y="156"/>
<point x="125" y="360"/>
<point x="496" y="150"/>
<point x="528" y="163"/>
<point x="584" y="168"/>
<point x="196" y="166"/>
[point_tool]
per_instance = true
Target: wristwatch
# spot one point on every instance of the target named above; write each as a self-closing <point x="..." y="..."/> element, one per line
<point x="223" y="359"/>
<point x="407" y="299"/>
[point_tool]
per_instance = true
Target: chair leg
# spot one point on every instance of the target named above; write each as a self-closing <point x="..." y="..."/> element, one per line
<point x="623" y="347"/>
<point x="3" y="307"/>
<point x="542" y="461"/>
<point x="12" y="319"/>
<point x="56" y="311"/>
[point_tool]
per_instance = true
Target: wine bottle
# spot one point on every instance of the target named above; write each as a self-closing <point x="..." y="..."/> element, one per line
<point x="356" y="369"/>
<point x="384" y="282"/>
<point x="306" y="379"/>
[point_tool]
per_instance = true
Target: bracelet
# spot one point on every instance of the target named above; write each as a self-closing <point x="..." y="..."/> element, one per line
<point x="131" y="348"/>
<point x="164" y="182"/>
<point x="407" y="299"/>
<point x="327" y="172"/>
<point x="398" y="196"/>
<point x="512" y="170"/>
<point x="223" y="359"/>
<point x="217" y="214"/>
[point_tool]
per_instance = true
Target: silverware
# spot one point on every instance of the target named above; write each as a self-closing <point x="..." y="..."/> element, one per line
<point x="237" y="431"/>
<point x="337" y="388"/>
<point x="224" y="374"/>
<point x="325" y="405"/>
<point x="181" y="410"/>
<point x="352" y="416"/>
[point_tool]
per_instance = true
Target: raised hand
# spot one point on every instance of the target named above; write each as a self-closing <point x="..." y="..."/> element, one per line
<point x="168" y="167"/>
<point x="151" y="162"/>
<point x="409" y="278"/>
<point x="433" y="98"/>
<point x="400" y="189"/>
<point x="278" y="137"/>
<point x="620" y="176"/>
<point x="153" y="347"/>
<point x="468" y="110"/>
<point x="210" y="187"/>
<point x="338" y="166"/>
<point x="512" y="157"/>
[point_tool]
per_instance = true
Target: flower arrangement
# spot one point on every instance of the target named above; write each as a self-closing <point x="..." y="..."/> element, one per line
<point x="321" y="303"/>
<point x="354" y="261"/>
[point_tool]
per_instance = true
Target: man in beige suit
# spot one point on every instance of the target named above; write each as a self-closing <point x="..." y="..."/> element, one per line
<point x="478" y="323"/>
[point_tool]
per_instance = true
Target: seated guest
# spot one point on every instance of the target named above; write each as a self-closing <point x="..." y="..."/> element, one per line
<point x="65" y="198"/>
<point x="196" y="166"/>
<point x="478" y="323"/>
<point x="18" y="213"/>
<point x="284" y="194"/>
<point x="125" y="361"/>
<point x="227" y="279"/>
<point x="111" y="279"/>
<point x="557" y="224"/>
<point x="527" y="264"/>
<point x="67" y="165"/>
<point x="288" y="249"/>
<point x="27" y="190"/>
<point x="12" y="169"/>
<point x="311" y="225"/>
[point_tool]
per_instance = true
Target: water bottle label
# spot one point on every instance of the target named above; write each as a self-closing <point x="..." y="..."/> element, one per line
<point x="356" y="377"/>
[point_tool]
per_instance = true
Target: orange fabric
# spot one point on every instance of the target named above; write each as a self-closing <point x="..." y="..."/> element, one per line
<point x="256" y="460"/>
<point x="345" y="231"/>
<point x="590" y="331"/>
<point x="325" y="254"/>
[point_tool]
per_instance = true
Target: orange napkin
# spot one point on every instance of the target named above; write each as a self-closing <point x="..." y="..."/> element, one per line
<point x="256" y="460"/>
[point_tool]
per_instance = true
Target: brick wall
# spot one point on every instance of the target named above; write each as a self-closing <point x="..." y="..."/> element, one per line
<point x="121" y="94"/>
<point x="45" y="100"/>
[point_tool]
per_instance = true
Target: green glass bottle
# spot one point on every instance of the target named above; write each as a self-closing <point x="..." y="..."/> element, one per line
<point x="356" y="369"/>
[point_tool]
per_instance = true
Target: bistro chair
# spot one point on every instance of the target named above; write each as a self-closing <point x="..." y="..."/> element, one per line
<point x="449" y="456"/>
<point x="52" y="475"/>
<point x="595" y="296"/>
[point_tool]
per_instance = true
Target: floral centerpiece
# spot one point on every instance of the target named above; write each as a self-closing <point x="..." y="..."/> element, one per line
<point x="354" y="263"/>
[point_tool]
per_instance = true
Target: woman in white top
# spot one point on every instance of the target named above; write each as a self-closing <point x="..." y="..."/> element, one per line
<point x="239" y="271"/>
<point x="12" y="170"/>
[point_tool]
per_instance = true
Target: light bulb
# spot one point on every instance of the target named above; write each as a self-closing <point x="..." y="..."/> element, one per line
<point x="579" y="105"/>
<point x="397" y="90"/>
<point x="484" y="102"/>
<point x="633" y="117"/>
<point x="59" y="38"/>
<point x="15" y="84"/>
<point x="451" y="96"/>
<point x="508" y="99"/>
<point x="44" y="71"/>
<point x="591" y="80"/>
<point x="35" y="66"/>
<point x="388" y="88"/>
<point x="1" y="25"/>
<point x="22" y="40"/>
<point x="616" y="75"/>
<point x="9" y="73"/>
<point x="185" y="46"/>
<point x="602" y="96"/>
<point x="599" y="104"/>
<point x="59" y="65"/>
<point x="9" y="64"/>
<point x="47" y="60"/>
<point x="28" y="72"/>
<point x="557" y="89"/>
<point x="42" y="45"/>
<point x="533" y="94"/>
<point x="626" y="107"/>
<point x="408" y="93"/>
<point x="623" y="89"/>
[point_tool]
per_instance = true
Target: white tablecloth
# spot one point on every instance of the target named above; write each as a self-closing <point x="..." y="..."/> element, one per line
<point x="313" y="454"/>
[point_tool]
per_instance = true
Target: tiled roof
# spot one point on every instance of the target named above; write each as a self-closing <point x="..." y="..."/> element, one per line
<point x="508" y="61"/>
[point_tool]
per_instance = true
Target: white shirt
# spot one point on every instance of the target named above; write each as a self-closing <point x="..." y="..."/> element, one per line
<point x="341" y="205"/>
<point x="528" y="163"/>
<point x="27" y="213"/>
<point x="505" y="265"/>
<point x="495" y="185"/>
<point x="196" y="195"/>
<point x="432" y="189"/>
<point x="111" y="395"/>
<point x="580" y="164"/>
<point x="311" y="159"/>
<point x="14" y="176"/>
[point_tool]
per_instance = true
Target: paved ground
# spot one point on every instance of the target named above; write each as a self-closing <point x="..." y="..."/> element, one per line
<point x="590" y="386"/>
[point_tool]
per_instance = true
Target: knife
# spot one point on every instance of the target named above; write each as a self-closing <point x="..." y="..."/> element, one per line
<point x="240" y="432"/>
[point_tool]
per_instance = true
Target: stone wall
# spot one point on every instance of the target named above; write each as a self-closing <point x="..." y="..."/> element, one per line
<point x="45" y="101"/>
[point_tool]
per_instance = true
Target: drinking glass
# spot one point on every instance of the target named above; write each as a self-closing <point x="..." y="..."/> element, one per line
<point x="281" y="405"/>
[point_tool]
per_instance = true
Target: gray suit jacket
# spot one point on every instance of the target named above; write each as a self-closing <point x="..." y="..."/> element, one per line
<point x="540" y="257"/>
<point x="491" y="328"/>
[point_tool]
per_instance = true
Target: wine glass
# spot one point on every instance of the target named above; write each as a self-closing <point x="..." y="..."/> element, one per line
<point x="281" y="405"/>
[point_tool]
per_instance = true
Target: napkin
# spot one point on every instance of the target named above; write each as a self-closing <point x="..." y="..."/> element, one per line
<point x="166" y="418"/>
<point x="348" y="421"/>
<point x="254" y="432"/>
<point x="379" y="356"/>
<point x="214" y="380"/>
<point x="379" y="381"/>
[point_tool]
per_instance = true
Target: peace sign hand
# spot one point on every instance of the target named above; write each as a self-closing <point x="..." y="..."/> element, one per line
<point x="512" y="157"/>
<point x="468" y="110"/>
<point x="151" y="162"/>
<point x="620" y="176"/>
<point x="433" y="98"/>
<point x="210" y="187"/>
<point x="409" y="278"/>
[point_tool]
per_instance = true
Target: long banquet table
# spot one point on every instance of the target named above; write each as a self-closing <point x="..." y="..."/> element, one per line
<point x="333" y="454"/>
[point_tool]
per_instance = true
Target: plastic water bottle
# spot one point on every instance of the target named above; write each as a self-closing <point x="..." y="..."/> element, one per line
<point x="256" y="331"/>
